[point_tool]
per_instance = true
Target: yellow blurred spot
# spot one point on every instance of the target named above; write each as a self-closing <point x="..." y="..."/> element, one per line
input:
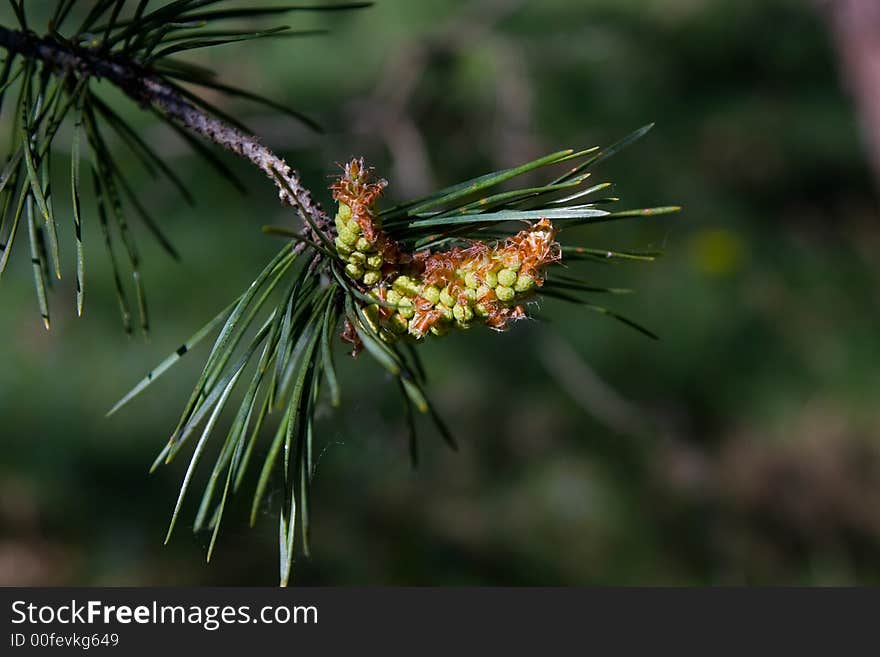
<point x="717" y="252"/>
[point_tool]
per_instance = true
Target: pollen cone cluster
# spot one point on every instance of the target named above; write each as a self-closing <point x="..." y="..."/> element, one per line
<point x="432" y="292"/>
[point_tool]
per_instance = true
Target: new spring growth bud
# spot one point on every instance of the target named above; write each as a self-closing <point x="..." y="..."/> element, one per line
<point x="348" y="238"/>
<point x="504" y="293"/>
<point x="405" y="308"/>
<point x="398" y="323"/>
<point x="406" y="286"/>
<point x="354" y="271"/>
<point x="344" y="212"/>
<point x="445" y="311"/>
<point x="431" y="293"/>
<point x="463" y="314"/>
<point x="507" y="278"/>
<point x="446" y="298"/>
<point x="524" y="283"/>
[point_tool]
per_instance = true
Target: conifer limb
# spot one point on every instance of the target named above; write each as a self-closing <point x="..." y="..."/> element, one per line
<point x="147" y="89"/>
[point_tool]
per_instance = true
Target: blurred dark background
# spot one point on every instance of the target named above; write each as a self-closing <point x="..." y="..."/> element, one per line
<point x="741" y="448"/>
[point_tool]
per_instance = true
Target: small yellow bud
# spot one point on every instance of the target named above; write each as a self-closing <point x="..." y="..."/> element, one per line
<point x="507" y="278"/>
<point x="354" y="227"/>
<point x="463" y="314"/>
<point x="431" y="293"/>
<point x="357" y="258"/>
<point x="481" y="310"/>
<point x="405" y="308"/>
<point x="371" y="277"/>
<point x="471" y="295"/>
<point x="344" y="212"/>
<point x="362" y="244"/>
<point x="343" y="248"/>
<point x="347" y="237"/>
<point x="524" y="283"/>
<point x="393" y="296"/>
<point x="374" y="261"/>
<point x="398" y="323"/>
<point x="354" y="271"/>
<point x="446" y="298"/>
<point x="445" y="311"/>
<point x="471" y="279"/>
<point x="491" y="279"/>
<point x="483" y="291"/>
<point x="406" y="286"/>
<point x="504" y="293"/>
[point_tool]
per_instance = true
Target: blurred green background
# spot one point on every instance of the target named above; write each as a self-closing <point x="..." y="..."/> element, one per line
<point x="741" y="448"/>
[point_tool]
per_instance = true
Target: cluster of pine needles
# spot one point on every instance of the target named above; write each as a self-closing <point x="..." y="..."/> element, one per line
<point x="144" y="40"/>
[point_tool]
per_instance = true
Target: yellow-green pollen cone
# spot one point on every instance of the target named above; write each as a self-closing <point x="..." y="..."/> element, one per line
<point x="429" y="293"/>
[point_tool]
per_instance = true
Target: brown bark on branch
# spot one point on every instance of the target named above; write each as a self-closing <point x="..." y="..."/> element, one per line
<point x="149" y="90"/>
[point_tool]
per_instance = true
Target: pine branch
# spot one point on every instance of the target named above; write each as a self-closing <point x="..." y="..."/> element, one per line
<point x="479" y="252"/>
<point x="142" y="85"/>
